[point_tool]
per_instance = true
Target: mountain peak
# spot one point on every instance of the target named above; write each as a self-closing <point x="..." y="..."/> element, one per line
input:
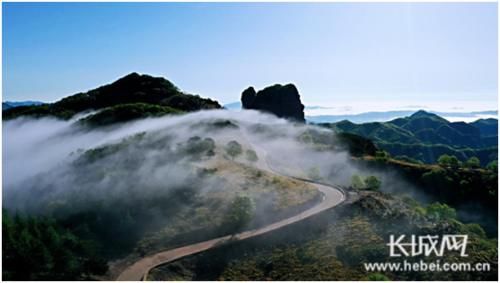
<point x="136" y="79"/>
<point x="132" y="88"/>
<point x="425" y="114"/>
<point x="422" y="113"/>
<point x="132" y="75"/>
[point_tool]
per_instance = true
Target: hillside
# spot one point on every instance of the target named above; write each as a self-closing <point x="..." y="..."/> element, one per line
<point x="426" y="136"/>
<point x="336" y="244"/>
<point x="144" y="186"/>
<point x="487" y="127"/>
<point x="129" y="90"/>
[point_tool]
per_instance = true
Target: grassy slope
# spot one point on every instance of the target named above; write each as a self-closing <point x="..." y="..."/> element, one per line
<point x="275" y="198"/>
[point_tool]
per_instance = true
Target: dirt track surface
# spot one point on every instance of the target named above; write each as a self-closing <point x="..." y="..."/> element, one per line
<point x="332" y="196"/>
<point x="140" y="269"/>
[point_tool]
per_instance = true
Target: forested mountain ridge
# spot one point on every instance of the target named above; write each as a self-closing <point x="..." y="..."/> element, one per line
<point x="487" y="127"/>
<point x="129" y="90"/>
<point x="426" y="136"/>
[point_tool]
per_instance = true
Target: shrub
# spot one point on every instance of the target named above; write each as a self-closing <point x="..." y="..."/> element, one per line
<point x="475" y="229"/>
<point x="233" y="148"/>
<point x="372" y="183"/>
<point x="314" y="173"/>
<point x="446" y="160"/>
<point x="240" y="213"/>
<point x="251" y="155"/>
<point x="473" y="162"/>
<point x="357" y="182"/>
<point x="493" y="166"/>
<point x="440" y="211"/>
<point x="196" y="147"/>
<point x="382" y="156"/>
<point x="376" y="277"/>
<point x="368" y="183"/>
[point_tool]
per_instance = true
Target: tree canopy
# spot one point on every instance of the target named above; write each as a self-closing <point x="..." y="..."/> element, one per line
<point x="372" y="183"/>
<point x="473" y="162"/>
<point x="233" y="148"/>
<point x="240" y="212"/>
<point x="446" y="160"/>
<point x="40" y="249"/>
<point x="368" y="183"/>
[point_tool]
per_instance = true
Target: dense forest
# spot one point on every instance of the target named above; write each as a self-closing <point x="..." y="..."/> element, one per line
<point x="39" y="248"/>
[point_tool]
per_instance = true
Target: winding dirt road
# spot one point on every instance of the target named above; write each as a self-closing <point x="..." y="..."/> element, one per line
<point x="332" y="196"/>
<point x="139" y="270"/>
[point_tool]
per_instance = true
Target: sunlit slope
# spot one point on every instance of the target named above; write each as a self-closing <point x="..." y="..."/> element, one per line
<point x="426" y="136"/>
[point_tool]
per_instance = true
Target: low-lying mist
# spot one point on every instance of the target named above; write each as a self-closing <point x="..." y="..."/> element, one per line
<point x="137" y="177"/>
<point x="47" y="160"/>
<point x="40" y="154"/>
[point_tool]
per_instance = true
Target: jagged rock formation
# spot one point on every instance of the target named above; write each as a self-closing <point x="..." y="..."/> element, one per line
<point x="281" y="100"/>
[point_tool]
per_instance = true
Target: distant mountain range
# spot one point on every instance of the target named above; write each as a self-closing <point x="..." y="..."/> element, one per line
<point x="425" y="136"/>
<point x="12" y="104"/>
<point x="233" y="105"/>
<point x="378" y="116"/>
<point x="389" y="115"/>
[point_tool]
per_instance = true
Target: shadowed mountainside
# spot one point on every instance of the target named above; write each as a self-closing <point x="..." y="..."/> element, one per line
<point x="281" y="100"/>
<point x="129" y="91"/>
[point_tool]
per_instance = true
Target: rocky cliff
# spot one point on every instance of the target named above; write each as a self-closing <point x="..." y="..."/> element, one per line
<point x="281" y="100"/>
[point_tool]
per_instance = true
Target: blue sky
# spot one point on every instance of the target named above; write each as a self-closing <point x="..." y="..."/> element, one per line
<point x="351" y="55"/>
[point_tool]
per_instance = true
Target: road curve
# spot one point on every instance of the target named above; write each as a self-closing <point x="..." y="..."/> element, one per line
<point x="332" y="196"/>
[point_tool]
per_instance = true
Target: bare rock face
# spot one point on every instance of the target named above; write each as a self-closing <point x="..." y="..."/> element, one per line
<point x="281" y="100"/>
